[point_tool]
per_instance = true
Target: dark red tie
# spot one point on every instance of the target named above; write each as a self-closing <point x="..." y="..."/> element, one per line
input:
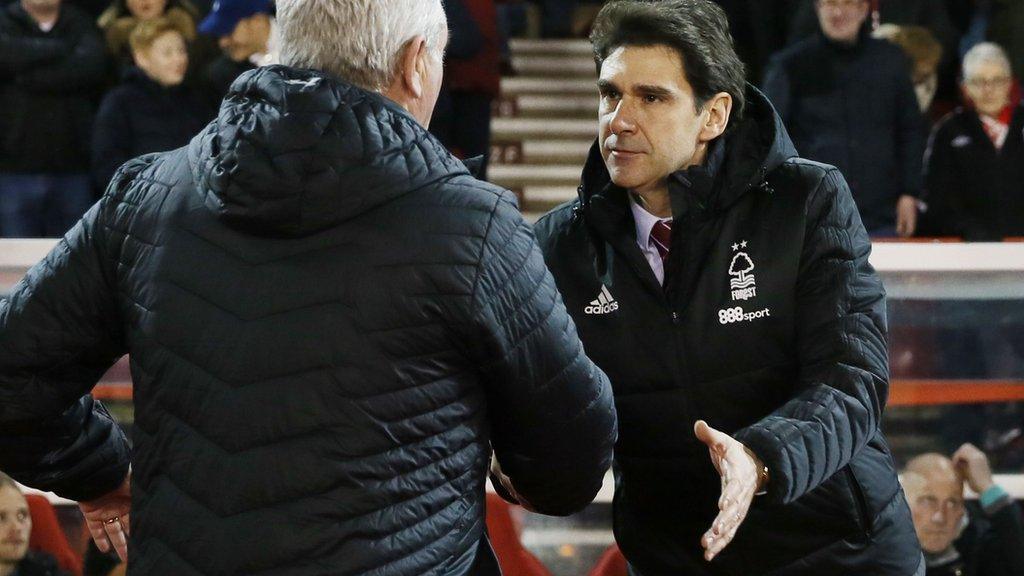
<point x="661" y="235"/>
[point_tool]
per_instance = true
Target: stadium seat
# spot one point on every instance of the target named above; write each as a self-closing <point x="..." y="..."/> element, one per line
<point x="513" y="557"/>
<point x="48" y="537"/>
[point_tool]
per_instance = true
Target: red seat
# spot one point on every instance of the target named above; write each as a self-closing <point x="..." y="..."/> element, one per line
<point x="611" y="563"/>
<point x="48" y="537"/>
<point x="514" y="558"/>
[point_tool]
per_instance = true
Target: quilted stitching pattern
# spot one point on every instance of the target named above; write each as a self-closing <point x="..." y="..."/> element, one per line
<point x="328" y="320"/>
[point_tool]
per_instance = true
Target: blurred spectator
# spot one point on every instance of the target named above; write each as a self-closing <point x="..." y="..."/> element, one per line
<point x="974" y="168"/>
<point x="118" y="21"/>
<point x="52" y="62"/>
<point x="15" y="526"/>
<point x="472" y="79"/>
<point x="960" y="539"/>
<point x="847" y="100"/>
<point x="925" y="53"/>
<point x="151" y="111"/>
<point x="246" y="33"/>
<point x="932" y="14"/>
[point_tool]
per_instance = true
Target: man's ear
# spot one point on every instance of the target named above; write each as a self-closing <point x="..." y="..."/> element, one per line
<point x="414" y="66"/>
<point x="716" y="112"/>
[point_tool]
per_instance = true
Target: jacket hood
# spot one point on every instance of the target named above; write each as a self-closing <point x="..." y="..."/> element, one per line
<point x="754" y="148"/>
<point x="293" y="152"/>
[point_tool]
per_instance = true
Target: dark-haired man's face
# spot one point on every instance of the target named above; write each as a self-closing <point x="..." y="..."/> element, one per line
<point x="649" y="126"/>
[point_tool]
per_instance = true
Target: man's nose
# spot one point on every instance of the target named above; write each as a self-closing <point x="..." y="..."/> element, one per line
<point x="623" y="118"/>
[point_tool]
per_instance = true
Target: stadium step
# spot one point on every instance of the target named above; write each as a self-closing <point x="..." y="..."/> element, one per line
<point x="571" y="152"/>
<point x="560" y="66"/>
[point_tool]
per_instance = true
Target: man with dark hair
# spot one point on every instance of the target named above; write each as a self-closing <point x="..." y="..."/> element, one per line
<point x="724" y="286"/>
<point x="848" y="100"/>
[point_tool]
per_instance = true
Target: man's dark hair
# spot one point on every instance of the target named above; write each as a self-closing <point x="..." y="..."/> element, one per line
<point x="697" y="29"/>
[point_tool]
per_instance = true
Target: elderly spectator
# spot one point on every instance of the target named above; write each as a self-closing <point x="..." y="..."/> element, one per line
<point x="959" y="539"/>
<point x="974" y="167"/>
<point x="15" y="527"/>
<point x="246" y="33"/>
<point x="152" y="111"/>
<point x="52" y="62"/>
<point x="335" y="331"/>
<point x="847" y="100"/>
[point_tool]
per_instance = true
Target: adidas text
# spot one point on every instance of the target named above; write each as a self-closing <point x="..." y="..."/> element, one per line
<point x="604" y="304"/>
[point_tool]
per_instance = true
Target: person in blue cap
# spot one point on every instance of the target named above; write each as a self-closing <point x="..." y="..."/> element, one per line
<point x="245" y="32"/>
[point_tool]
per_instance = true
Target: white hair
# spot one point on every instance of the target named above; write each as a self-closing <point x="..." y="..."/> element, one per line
<point x="985" y="52"/>
<point x="360" y="41"/>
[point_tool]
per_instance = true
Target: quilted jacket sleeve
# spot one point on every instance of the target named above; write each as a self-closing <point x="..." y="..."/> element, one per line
<point x="59" y="332"/>
<point x="551" y="409"/>
<point x="841" y="346"/>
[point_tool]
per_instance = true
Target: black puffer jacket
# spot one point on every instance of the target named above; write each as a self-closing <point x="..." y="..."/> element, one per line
<point x="771" y="326"/>
<point x="328" y="320"/>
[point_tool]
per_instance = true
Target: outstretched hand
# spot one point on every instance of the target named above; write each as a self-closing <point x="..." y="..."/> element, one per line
<point x="740" y="471"/>
<point x="107" y="518"/>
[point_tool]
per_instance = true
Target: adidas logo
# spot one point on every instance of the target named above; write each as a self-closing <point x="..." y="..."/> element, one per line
<point x="605" y="303"/>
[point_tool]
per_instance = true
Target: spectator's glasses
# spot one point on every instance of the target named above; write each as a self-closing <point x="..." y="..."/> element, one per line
<point x="996" y="83"/>
<point x="841" y="4"/>
<point x="931" y="504"/>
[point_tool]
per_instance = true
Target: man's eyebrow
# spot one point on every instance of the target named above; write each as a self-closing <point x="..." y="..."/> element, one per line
<point x="654" y="90"/>
<point x="604" y="85"/>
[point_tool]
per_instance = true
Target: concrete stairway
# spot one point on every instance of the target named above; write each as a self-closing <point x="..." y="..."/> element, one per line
<point x="544" y="123"/>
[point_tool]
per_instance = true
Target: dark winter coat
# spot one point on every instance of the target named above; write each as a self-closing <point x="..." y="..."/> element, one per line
<point x="974" y="190"/>
<point x="141" y="116"/>
<point x="330" y="324"/>
<point x="49" y="84"/>
<point x="853" y="107"/>
<point x="792" y="362"/>
<point x="990" y="546"/>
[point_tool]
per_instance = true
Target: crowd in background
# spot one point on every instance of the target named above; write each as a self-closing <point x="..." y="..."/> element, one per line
<point x="915" y="100"/>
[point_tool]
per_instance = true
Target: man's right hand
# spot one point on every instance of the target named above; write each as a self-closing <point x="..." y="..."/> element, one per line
<point x="973" y="466"/>
<point x="107" y="518"/>
<point x="498" y="476"/>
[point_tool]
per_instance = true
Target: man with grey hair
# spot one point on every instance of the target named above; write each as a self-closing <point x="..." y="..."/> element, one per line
<point x="330" y="321"/>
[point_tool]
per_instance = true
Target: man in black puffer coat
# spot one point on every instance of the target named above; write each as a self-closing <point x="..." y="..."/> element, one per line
<point x="330" y="322"/>
<point x="747" y="350"/>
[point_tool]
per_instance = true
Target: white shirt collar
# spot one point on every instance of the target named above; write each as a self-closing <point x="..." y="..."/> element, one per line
<point x="644" y="221"/>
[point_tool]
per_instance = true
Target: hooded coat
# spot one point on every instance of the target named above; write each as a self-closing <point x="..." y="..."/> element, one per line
<point x="330" y="323"/>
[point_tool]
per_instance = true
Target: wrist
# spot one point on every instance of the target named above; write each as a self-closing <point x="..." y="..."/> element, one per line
<point x="763" y="474"/>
